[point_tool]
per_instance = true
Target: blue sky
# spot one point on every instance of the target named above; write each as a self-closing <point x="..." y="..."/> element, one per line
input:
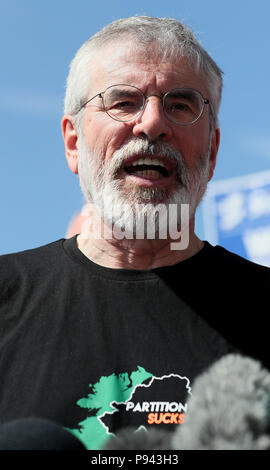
<point x="38" y="193"/>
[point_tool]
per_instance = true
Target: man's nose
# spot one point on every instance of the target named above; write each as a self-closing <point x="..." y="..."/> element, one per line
<point x="152" y="122"/>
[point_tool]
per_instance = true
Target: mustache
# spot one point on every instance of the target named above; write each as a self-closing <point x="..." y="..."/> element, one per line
<point x="143" y="147"/>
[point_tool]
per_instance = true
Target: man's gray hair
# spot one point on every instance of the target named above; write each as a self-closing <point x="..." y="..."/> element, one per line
<point x="173" y="38"/>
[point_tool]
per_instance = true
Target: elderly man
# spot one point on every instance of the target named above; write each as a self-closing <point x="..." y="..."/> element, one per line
<point x="109" y="328"/>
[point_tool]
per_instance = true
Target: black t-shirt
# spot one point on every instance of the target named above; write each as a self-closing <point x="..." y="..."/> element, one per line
<point x="98" y="349"/>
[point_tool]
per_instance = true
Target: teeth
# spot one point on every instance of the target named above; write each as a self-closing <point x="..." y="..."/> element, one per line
<point x="148" y="173"/>
<point x="148" y="161"/>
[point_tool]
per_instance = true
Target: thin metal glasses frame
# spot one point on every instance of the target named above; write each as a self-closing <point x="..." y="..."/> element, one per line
<point x="162" y="97"/>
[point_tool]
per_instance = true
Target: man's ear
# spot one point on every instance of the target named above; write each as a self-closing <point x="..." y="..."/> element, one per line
<point x="70" y="136"/>
<point x="214" y="151"/>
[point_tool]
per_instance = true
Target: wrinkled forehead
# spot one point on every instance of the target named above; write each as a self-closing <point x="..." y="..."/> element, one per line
<point x="127" y="59"/>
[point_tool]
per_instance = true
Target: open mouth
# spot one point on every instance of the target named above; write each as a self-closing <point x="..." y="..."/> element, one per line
<point x="147" y="168"/>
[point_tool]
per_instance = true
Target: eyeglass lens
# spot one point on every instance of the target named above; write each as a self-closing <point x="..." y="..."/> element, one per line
<point x="124" y="102"/>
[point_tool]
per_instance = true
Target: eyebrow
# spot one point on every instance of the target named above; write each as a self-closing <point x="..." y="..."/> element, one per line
<point x="186" y="94"/>
<point x="123" y="93"/>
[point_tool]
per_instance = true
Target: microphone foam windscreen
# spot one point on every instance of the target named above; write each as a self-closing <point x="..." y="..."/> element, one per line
<point x="131" y="439"/>
<point x="228" y="409"/>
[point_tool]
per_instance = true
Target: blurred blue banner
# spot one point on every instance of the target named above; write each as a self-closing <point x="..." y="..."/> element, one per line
<point x="236" y="215"/>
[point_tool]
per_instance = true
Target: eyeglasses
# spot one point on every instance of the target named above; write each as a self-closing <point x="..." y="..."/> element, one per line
<point x="125" y="102"/>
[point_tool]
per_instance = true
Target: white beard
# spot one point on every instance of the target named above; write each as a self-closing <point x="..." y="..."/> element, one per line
<point x="122" y="207"/>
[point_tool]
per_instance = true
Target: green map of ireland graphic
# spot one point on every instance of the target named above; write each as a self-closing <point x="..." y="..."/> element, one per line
<point x="114" y="388"/>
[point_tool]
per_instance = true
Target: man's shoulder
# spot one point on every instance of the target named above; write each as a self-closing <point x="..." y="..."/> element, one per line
<point x="226" y="256"/>
<point x="28" y="260"/>
<point x="32" y="253"/>
<point x="234" y="265"/>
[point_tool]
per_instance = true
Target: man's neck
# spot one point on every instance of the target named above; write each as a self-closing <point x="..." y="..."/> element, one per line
<point x="140" y="254"/>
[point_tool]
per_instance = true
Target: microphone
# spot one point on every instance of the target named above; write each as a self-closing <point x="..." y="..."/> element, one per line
<point x="229" y="409"/>
<point x="37" y="434"/>
<point x="131" y="439"/>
